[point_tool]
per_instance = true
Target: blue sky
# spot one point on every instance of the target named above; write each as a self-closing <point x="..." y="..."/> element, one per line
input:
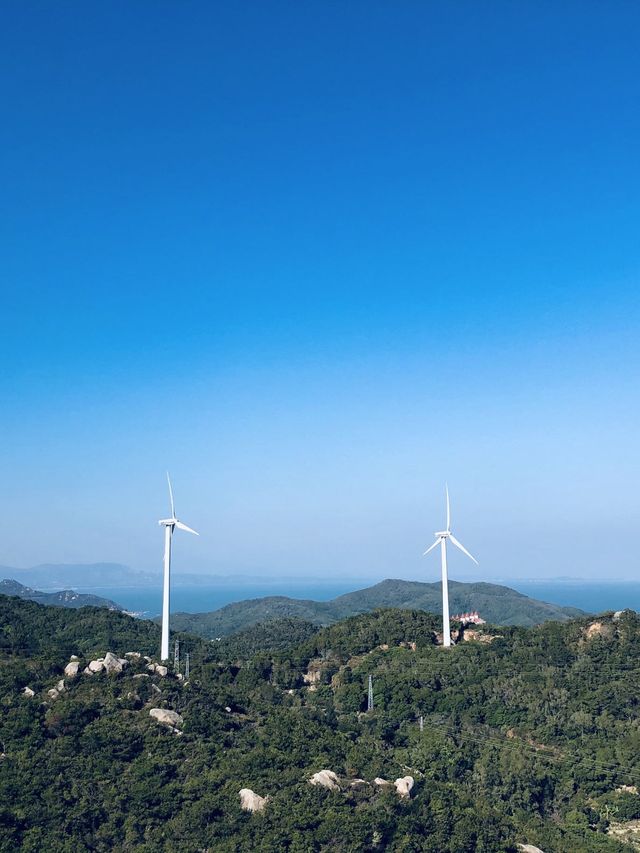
<point x="316" y="259"/>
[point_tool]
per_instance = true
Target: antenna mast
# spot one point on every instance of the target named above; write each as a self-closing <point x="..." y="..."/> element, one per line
<point x="176" y="656"/>
<point x="370" y="695"/>
<point x="186" y="667"/>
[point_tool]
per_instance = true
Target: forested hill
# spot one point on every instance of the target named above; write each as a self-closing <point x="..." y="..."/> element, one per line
<point x="63" y="598"/>
<point x="499" y="605"/>
<point x="529" y="736"/>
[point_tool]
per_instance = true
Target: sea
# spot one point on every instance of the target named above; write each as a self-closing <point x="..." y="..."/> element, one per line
<point x="147" y="601"/>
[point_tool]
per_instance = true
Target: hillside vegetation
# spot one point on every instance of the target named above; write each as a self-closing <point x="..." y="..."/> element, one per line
<point x="497" y="604"/>
<point x="529" y="737"/>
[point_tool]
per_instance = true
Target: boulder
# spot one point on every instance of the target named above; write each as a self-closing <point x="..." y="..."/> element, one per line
<point x="60" y="686"/>
<point x="53" y="693"/>
<point x="96" y="665"/>
<point x="358" y="783"/>
<point x="162" y="715"/>
<point x="142" y="675"/>
<point x="158" y="668"/>
<point x="71" y="669"/>
<point x="326" y="779"/>
<point x="87" y="671"/>
<point x="529" y="848"/>
<point x="74" y="657"/>
<point x="113" y="664"/>
<point x="381" y="782"/>
<point x="404" y="786"/>
<point x="134" y="655"/>
<point x="250" y="801"/>
<point x="28" y="692"/>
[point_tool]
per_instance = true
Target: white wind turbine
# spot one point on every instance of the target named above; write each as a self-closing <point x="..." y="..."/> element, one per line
<point x="441" y="538"/>
<point x="169" y="526"/>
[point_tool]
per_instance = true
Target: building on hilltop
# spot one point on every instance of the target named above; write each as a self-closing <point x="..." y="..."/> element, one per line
<point x="472" y="618"/>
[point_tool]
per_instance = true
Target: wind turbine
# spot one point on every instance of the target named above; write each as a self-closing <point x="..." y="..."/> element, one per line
<point x="441" y="539"/>
<point x="169" y="526"/>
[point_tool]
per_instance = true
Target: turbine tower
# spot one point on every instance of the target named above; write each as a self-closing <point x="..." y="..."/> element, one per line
<point x="169" y="526"/>
<point x="441" y="538"/>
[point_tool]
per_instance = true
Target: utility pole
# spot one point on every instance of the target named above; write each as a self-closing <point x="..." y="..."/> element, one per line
<point x="186" y="667"/>
<point x="370" y="696"/>
<point x="176" y="656"/>
<point x="421" y="723"/>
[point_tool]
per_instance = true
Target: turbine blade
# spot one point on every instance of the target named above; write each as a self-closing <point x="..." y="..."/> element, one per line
<point x="431" y="547"/>
<point x="173" y="511"/>
<point x="184" y="527"/>
<point x="462" y="548"/>
<point x="446" y="488"/>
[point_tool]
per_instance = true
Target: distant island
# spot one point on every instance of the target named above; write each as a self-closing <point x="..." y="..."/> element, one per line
<point x="62" y="598"/>
<point x="499" y="605"/>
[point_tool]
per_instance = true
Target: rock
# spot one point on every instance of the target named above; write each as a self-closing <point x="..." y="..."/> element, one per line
<point x="60" y="686"/>
<point x="162" y="715"/>
<point x="87" y="671"/>
<point x="135" y="655"/>
<point x="155" y="688"/>
<point x="529" y="848"/>
<point x="71" y="669"/>
<point x="326" y="779"/>
<point x="598" y="629"/>
<point x="158" y="669"/>
<point x="96" y="665"/>
<point x="250" y="801"/>
<point x="142" y="675"/>
<point x="28" y="692"/>
<point x="358" y="783"/>
<point x="404" y="786"/>
<point x="53" y="693"/>
<point x="113" y="664"/>
<point x="379" y="781"/>
<point x="147" y="658"/>
<point x="227" y="709"/>
<point x="74" y="657"/>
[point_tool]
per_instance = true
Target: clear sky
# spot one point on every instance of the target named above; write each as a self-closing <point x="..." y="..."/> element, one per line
<point x="316" y="259"/>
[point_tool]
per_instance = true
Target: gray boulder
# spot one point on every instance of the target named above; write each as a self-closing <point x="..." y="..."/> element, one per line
<point x="169" y="718"/>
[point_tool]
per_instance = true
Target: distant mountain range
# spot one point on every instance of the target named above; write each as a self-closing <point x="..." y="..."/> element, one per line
<point x="63" y="598"/>
<point x="496" y="604"/>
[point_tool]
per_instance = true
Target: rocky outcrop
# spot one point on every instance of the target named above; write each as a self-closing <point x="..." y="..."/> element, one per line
<point x="109" y="664"/>
<point x="158" y="668"/>
<point x="598" y="629"/>
<point x="250" y="801"/>
<point x="326" y="779"/>
<point x="404" y="786"/>
<point x="529" y="848"/>
<point x="72" y="669"/>
<point x="113" y="664"/>
<point x="169" y="718"/>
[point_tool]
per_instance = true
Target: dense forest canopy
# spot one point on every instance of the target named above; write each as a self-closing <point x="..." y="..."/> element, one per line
<point x="529" y="735"/>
